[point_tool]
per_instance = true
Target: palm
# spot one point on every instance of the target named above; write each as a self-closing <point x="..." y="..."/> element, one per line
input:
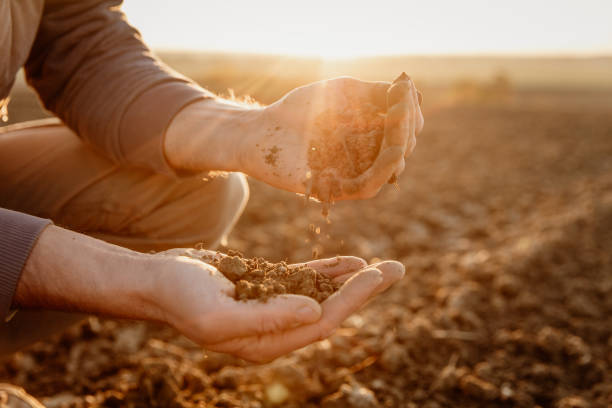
<point x="201" y="305"/>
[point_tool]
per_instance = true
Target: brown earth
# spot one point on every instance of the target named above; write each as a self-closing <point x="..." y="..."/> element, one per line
<point x="256" y="278"/>
<point x="503" y="219"/>
<point x="349" y="143"/>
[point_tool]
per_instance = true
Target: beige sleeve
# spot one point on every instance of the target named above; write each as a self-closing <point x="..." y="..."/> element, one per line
<point x="91" y="68"/>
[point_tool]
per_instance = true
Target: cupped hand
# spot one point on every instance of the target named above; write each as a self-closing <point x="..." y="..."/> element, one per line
<point x="278" y="155"/>
<point x="197" y="300"/>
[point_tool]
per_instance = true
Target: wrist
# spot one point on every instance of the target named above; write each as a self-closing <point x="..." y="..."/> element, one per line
<point x="72" y="272"/>
<point x="210" y="135"/>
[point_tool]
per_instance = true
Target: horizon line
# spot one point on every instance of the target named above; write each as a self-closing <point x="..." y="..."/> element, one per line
<point x="484" y="54"/>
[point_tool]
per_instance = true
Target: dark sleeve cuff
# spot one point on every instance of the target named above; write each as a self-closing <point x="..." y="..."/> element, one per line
<point x="18" y="233"/>
<point x="144" y="123"/>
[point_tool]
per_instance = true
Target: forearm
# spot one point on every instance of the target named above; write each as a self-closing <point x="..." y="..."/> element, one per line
<point x="212" y="134"/>
<point x="72" y="272"/>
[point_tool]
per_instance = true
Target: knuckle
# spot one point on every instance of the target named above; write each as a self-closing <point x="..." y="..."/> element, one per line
<point x="404" y="85"/>
<point x="411" y="146"/>
<point x="397" y="112"/>
<point x="269" y="324"/>
<point x="342" y="81"/>
<point x="264" y="323"/>
<point x="401" y="88"/>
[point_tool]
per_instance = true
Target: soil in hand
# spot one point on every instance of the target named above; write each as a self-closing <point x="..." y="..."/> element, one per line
<point x="349" y="143"/>
<point x="256" y="278"/>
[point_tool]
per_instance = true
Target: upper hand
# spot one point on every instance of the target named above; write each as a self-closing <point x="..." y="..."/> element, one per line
<point x="197" y="299"/>
<point x="278" y="154"/>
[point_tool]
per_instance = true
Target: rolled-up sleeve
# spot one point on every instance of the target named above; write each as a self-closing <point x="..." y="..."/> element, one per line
<point x="91" y="68"/>
<point x="18" y="234"/>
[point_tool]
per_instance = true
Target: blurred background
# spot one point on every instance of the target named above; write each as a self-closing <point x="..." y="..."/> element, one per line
<point x="503" y="216"/>
<point x="468" y="51"/>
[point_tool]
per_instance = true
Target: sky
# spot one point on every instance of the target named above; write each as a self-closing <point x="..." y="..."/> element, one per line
<point x="338" y="28"/>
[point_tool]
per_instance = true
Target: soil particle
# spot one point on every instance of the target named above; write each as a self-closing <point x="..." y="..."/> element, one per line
<point x="271" y="156"/>
<point x="353" y="396"/>
<point x="477" y="388"/>
<point x="394" y="357"/>
<point x="572" y="402"/>
<point x="233" y="267"/>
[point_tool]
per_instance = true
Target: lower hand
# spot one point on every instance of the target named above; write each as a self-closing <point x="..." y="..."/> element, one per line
<point x="197" y="299"/>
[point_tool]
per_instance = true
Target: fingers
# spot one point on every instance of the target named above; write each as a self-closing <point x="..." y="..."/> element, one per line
<point x="392" y="271"/>
<point x="338" y="265"/>
<point x="399" y="122"/>
<point x="348" y="299"/>
<point x="400" y="168"/>
<point x="404" y="118"/>
<point x="369" y="183"/>
<point x="374" y="92"/>
<point x="253" y="317"/>
<point x="414" y="106"/>
<point x="420" y="119"/>
<point x="399" y="91"/>
<point x="378" y="93"/>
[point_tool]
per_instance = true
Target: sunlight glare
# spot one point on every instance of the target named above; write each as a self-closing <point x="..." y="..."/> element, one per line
<point x="337" y="29"/>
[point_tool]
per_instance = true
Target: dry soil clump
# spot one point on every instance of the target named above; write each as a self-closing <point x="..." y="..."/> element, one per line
<point x="257" y="278"/>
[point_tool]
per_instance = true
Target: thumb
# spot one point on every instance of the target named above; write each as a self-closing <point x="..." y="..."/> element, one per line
<point x="277" y="314"/>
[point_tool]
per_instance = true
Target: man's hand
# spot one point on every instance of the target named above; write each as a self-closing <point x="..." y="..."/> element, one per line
<point x="279" y="156"/>
<point x="200" y="304"/>
<point x="272" y="143"/>
<point x="68" y="271"/>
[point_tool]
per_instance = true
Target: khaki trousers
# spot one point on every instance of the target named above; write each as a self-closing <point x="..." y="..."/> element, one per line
<point x="47" y="171"/>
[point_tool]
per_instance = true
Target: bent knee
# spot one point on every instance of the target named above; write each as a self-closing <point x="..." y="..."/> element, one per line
<point x="192" y="211"/>
<point x="234" y="200"/>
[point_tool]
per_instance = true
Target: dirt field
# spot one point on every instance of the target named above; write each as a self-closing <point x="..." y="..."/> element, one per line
<point x="503" y="218"/>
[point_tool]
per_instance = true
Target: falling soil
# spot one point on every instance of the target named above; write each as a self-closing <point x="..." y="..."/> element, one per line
<point x="256" y="278"/>
<point x="349" y="143"/>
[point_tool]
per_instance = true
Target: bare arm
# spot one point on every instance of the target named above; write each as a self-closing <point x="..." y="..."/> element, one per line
<point x="72" y="272"/>
<point x="272" y="144"/>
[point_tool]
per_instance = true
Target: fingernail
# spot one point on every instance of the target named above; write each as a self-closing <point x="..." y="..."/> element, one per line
<point x="420" y="96"/>
<point x="403" y="77"/>
<point x="307" y="314"/>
